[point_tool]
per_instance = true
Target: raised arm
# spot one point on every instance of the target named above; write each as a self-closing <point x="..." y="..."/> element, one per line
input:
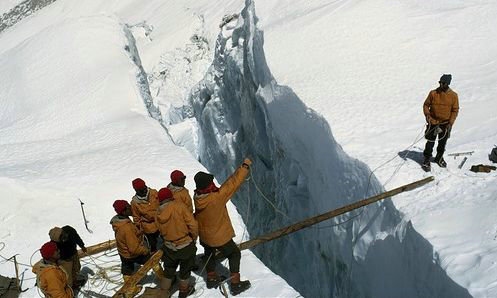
<point x="233" y="183"/>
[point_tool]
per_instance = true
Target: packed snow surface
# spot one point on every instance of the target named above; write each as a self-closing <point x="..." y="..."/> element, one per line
<point x="85" y="85"/>
<point x="74" y="126"/>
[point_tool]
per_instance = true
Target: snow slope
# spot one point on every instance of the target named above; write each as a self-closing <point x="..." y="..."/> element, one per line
<point x="352" y="62"/>
<point x="74" y="125"/>
<point x="367" y="66"/>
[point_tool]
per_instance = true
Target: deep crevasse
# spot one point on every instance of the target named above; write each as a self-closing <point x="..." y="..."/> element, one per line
<point x="240" y="110"/>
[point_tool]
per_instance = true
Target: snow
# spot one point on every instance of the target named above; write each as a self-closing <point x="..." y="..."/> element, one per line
<point x="6" y="5"/>
<point x="73" y="124"/>
<point x="367" y="66"/>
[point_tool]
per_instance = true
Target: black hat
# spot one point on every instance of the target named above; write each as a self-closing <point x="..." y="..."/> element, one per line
<point x="446" y="78"/>
<point x="202" y="180"/>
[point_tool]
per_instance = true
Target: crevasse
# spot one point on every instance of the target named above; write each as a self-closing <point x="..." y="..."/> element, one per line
<point x="241" y="111"/>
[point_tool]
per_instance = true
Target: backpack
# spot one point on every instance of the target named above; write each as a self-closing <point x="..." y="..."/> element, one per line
<point x="493" y="155"/>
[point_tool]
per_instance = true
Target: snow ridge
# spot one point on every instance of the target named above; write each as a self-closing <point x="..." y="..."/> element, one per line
<point x="21" y="11"/>
<point x="242" y="111"/>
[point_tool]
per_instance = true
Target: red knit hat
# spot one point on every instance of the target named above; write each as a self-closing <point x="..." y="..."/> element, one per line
<point x="177" y="176"/>
<point x="165" y="194"/>
<point x="48" y="250"/>
<point x="120" y="206"/>
<point x="138" y="184"/>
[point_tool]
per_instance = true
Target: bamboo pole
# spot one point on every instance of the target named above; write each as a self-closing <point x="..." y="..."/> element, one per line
<point x="135" y="278"/>
<point x="95" y="249"/>
<point x="328" y="215"/>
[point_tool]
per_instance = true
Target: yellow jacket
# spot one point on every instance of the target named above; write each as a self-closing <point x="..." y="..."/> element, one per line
<point x="144" y="211"/>
<point x="52" y="280"/>
<point x="176" y="224"/>
<point x="181" y="194"/>
<point x="441" y="106"/>
<point x="128" y="238"/>
<point x="215" y="228"/>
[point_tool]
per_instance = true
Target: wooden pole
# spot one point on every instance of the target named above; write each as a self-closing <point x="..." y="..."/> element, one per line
<point x="328" y="215"/>
<point x="18" y="284"/>
<point x="95" y="249"/>
<point x="135" y="278"/>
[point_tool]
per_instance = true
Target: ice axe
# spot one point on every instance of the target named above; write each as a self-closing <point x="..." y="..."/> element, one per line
<point x="84" y="216"/>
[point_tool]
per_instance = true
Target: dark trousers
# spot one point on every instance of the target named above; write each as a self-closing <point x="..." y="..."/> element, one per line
<point x="229" y="250"/>
<point x="152" y="240"/>
<point x="431" y="136"/>
<point x="128" y="265"/>
<point x="184" y="257"/>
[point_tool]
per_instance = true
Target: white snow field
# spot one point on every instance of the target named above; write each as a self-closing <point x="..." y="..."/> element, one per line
<point x="96" y="93"/>
<point x="74" y="125"/>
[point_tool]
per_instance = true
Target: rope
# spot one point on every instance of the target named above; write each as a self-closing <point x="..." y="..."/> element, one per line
<point x="11" y="259"/>
<point x="264" y="196"/>
<point x="108" y="279"/>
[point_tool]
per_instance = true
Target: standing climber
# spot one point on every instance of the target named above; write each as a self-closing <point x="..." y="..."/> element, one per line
<point x="50" y="278"/>
<point x="440" y="109"/>
<point x="67" y="238"/>
<point x="180" y="192"/>
<point x="215" y="228"/>
<point x="180" y="232"/>
<point x="144" y="207"/>
<point x="129" y="242"/>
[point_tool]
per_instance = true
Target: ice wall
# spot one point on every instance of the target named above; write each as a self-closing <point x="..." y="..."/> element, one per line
<point x="242" y="111"/>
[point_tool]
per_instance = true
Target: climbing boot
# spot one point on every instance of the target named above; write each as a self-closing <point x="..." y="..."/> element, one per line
<point x="158" y="271"/>
<point x="426" y="164"/>
<point x="134" y="290"/>
<point x="165" y="287"/>
<point x="185" y="289"/>
<point x="237" y="286"/>
<point x="439" y="160"/>
<point x="213" y="280"/>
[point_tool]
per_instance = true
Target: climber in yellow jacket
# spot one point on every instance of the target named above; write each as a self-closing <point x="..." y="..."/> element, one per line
<point x="130" y="244"/>
<point x="214" y="224"/>
<point x="180" y="192"/>
<point x="50" y="278"/>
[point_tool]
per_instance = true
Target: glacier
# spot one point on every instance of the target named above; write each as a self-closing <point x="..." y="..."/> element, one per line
<point x="240" y="110"/>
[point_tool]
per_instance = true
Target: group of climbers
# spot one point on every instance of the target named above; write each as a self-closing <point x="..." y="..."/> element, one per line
<point x="57" y="273"/>
<point x="168" y="214"/>
<point x="165" y="216"/>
